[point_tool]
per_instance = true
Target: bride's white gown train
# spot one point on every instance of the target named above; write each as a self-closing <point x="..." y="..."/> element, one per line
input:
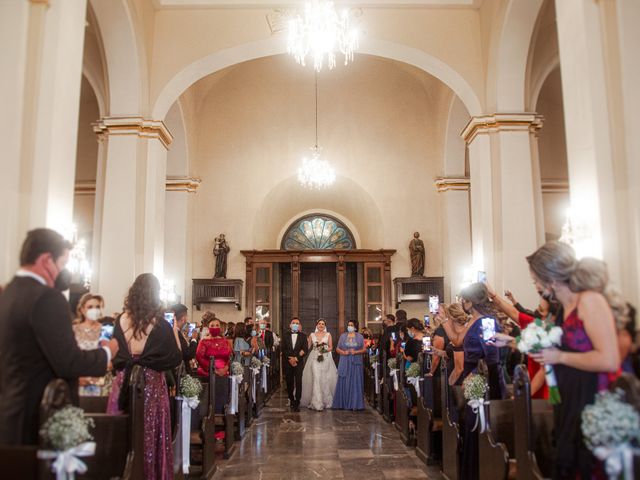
<point x="319" y="379"/>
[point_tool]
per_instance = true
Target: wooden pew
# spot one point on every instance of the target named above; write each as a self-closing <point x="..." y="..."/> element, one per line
<point x="256" y="382"/>
<point x="246" y="392"/>
<point x="403" y="400"/>
<point x="389" y="394"/>
<point x="380" y="394"/>
<point x="496" y="445"/>
<point x="451" y="433"/>
<point x="429" y="425"/>
<point x="369" y="382"/>
<point x="533" y="423"/>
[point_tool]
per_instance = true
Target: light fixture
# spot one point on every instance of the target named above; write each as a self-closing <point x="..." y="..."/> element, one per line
<point x="78" y="264"/>
<point x="321" y="31"/>
<point x="579" y="234"/>
<point x="316" y="172"/>
<point x="168" y="294"/>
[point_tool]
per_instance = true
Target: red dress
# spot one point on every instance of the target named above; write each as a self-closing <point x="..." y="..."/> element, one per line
<point x="213" y="347"/>
<point x="532" y="365"/>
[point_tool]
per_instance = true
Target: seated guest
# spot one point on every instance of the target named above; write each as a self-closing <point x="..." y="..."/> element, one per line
<point x="228" y="331"/>
<point x="241" y="347"/>
<point x="258" y="347"/>
<point x="215" y="346"/>
<point x="188" y="341"/>
<point x="146" y="339"/>
<point x="87" y="329"/>
<point x="36" y="339"/>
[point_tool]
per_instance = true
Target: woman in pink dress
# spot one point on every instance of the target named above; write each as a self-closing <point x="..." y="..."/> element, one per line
<point x="215" y="346"/>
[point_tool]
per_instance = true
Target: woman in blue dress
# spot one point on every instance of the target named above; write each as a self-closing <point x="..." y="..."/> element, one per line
<point x="350" y="389"/>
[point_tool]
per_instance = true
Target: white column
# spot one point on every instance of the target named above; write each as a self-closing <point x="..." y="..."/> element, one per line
<point x="504" y="193"/>
<point x="586" y="112"/>
<point x="132" y="230"/>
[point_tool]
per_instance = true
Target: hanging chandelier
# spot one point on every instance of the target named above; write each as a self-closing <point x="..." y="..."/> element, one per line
<point x="316" y="172"/>
<point x="321" y="32"/>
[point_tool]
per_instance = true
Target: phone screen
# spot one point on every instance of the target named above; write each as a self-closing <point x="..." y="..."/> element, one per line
<point x="168" y="316"/>
<point x="106" y="332"/>
<point x="482" y="277"/>
<point x="426" y="343"/>
<point x="426" y="320"/>
<point x="393" y="336"/>
<point x="488" y="328"/>
<point x="434" y="304"/>
<point x="192" y="327"/>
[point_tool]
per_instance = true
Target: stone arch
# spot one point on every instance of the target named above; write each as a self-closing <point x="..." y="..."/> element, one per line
<point x="274" y="46"/>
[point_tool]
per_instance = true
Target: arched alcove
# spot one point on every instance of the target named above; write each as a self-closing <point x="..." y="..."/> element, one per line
<point x="317" y="231"/>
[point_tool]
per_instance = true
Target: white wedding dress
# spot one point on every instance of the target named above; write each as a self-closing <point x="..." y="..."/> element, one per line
<point x="319" y="378"/>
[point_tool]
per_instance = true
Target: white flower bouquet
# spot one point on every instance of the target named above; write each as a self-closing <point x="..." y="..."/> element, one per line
<point x="255" y="363"/>
<point x="537" y="336"/>
<point x="413" y="370"/>
<point x="266" y="361"/>
<point x="322" y="349"/>
<point x="392" y="363"/>
<point x="190" y="387"/>
<point x="237" y="368"/>
<point x="475" y="387"/>
<point x="67" y="428"/>
<point x="610" y="426"/>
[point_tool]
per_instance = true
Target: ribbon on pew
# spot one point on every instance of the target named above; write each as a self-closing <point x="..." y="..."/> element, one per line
<point x="375" y="376"/>
<point x="617" y="460"/>
<point x="66" y="462"/>
<point x="188" y="404"/>
<point x="415" y="381"/>
<point x="394" y="374"/>
<point x="255" y="371"/>
<point x="236" y="380"/>
<point x="477" y="406"/>
<point x="264" y="377"/>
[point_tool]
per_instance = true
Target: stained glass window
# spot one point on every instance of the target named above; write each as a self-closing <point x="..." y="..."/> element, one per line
<point x="318" y="232"/>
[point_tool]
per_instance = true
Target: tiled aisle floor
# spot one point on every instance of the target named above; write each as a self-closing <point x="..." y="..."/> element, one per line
<point x="322" y="445"/>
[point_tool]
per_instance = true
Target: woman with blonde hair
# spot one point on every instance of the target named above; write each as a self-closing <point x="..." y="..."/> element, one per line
<point x="87" y="330"/>
<point x="455" y="327"/>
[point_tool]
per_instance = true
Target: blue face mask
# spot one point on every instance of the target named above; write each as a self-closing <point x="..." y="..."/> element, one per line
<point x="295" y="327"/>
<point x="253" y="333"/>
<point x="351" y="329"/>
<point x="411" y="334"/>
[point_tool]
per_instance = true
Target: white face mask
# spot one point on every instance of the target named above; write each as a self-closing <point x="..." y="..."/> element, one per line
<point x="94" y="314"/>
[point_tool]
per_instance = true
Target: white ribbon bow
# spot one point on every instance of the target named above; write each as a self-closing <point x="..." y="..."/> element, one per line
<point x="256" y="371"/>
<point x="477" y="406"/>
<point x="617" y="459"/>
<point x="375" y="376"/>
<point x="188" y="403"/>
<point x="264" y="378"/>
<point x="394" y="373"/>
<point x="415" y="381"/>
<point x="236" y="380"/>
<point x="67" y="461"/>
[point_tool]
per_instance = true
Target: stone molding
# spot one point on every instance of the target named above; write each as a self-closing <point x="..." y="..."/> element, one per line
<point x="173" y="184"/>
<point x="134" y="126"/>
<point x="463" y="184"/>
<point x="501" y="122"/>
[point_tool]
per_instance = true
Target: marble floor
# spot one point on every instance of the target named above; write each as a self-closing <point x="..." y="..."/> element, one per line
<point x="321" y="445"/>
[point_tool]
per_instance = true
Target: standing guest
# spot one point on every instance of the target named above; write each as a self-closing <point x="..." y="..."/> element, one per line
<point x="294" y="349"/>
<point x="146" y="339"/>
<point x="87" y="329"/>
<point x="266" y="335"/>
<point x="440" y="341"/>
<point x="588" y="353"/>
<point x="349" y="393"/>
<point x="456" y="328"/>
<point x="188" y="341"/>
<point x="276" y="337"/>
<point x="228" y="332"/>
<point x="36" y="339"/>
<point x="215" y="346"/>
<point x="368" y="337"/>
<point x="416" y="332"/>
<point x="386" y="338"/>
<point x="241" y="347"/>
<point x="258" y="347"/>
<point x="248" y="321"/>
<point x="207" y="317"/>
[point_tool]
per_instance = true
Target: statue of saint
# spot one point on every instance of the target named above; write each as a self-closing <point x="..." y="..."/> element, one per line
<point x="220" y="251"/>
<point x="416" y="249"/>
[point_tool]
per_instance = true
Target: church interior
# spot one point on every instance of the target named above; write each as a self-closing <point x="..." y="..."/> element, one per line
<point x="440" y="146"/>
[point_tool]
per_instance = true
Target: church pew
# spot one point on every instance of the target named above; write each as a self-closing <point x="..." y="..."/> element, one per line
<point x="388" y="396"/>
<point x="369" y="384"/>
<point x="533" y="423"/>
<point x="496" y="445"/>
<point x="380" y="394"/>
<point x="94" y="404"/>
<point x="246" y="392"/>
<point x="451" y="430"/>
<point x="256" y="382"/>
<point x="403" y="402"/>
<point x="429" y="424"/>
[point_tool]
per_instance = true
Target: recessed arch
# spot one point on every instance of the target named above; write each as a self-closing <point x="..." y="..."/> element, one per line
<point x="274" y="46"/>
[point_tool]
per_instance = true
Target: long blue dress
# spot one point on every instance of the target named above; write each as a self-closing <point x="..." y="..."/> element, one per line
<point x="350" y="388"/>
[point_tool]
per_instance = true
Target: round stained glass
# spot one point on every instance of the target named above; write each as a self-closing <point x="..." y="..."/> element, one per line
<point x="318" y="232"/>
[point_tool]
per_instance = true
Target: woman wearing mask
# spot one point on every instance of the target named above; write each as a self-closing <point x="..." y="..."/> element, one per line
<point x="215" y="346"/>
<point x="258" y="347"/>
<point x="241" y="347"/>
<point x="416" y="332"/>
<point x="87" y="330"/>
<point x="146" y="339"/>
<point x="349" y="394"/>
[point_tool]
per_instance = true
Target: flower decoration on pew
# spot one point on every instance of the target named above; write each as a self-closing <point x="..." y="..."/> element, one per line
<point x="190" y="387"/>
<point x="266" y="361"/>
<point x="537" y="336"/>
<point x="236" y="369"/>
<point x="611" y="430"/>
<point x="413" y="376"/>
<point x="67" y="432"/>
<point x="475" y="388"/>
<point x="255" y="363"/>
<point x="392" y="363"/>
<point x="190" y="390"/>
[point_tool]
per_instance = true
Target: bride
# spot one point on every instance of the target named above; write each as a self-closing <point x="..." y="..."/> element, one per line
<point x="320" y="374"/>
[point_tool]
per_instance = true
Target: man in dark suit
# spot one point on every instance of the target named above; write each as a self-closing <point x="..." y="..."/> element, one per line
<point x="36" y="340"/>
<point x="188" y="343"/>
<point x="294" y="348"/>
<point x="267" y="335"/>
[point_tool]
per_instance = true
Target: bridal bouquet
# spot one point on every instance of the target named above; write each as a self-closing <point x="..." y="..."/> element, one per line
<point x="322" y="349"/>
<point x="475" y="387"/>
<point x="535" y="337"/>
<point x="610" y="427"/>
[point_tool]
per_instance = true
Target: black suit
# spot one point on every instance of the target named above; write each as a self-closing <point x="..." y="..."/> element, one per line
<point x="189" y="348"/>
<point x="268" y="340"/>
<point x="37" y="345"/>
<point x="293" y="375"/>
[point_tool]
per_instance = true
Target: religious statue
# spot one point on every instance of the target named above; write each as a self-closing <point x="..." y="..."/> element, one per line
<point x="416" y="249"/>
<point x="220" y="251"/>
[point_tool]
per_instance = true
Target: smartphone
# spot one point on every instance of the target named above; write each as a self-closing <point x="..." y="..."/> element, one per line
<point x="393" y="336"/>
<point x="426" y="344"/>
<point x="106" y="332"/>
<point x="434" y="304"/>
<point x="482" y="277"/>
<point x="168" y="316"/>
<point x="192" y="327"/>
<point x="403" y="344"/>
<point x="426" y="321"/>
<point x="488" y="328"/>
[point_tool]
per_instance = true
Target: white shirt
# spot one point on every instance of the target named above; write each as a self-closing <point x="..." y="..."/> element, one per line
<point x="294" y="339"/>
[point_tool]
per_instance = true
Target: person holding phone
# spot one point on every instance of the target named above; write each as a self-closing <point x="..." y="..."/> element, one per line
<point x="416" y="332"/>
<point x="187" y="336"/>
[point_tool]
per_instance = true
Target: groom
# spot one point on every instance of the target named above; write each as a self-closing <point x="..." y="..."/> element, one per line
<point x="294" y="348"/>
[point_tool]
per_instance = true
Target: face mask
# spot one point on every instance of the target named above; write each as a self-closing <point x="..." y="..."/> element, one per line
<point x="215" y="331"/>
<point x="263" y="327"/>
<point x="411" y="334"/>
<point x="351" y="329"/>
<point x="253" y="333"/>
<point x="294" y="327"/>
<point x="63" y="280"/>
<point x="93" y="314"/>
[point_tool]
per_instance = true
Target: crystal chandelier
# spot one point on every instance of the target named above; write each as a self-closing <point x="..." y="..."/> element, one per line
<point x="321" y="31"/>
<point x="316" y="172"/>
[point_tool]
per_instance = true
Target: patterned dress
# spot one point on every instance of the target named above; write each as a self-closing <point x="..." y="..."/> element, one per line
<point x="88" y="339"/>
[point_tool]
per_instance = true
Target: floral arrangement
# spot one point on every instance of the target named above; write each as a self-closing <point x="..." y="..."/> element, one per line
<point x="413" y="370"/>
<point x="255" y="362"/>
<point x="373" y="358"/>
<point x="67" y="428"/>
<point x="236" y="368"/>
<point x="266" y="361"/>
<point x="322" y="349"/>
<point x="610" y="421"/>
<point x="392" y="363"/>
<point x="537" y="336"/>
<point x="190" y="387"/>
<point x="475" y="387"/>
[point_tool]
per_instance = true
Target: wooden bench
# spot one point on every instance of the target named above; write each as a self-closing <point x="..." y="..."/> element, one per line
<point x="429" y="424"/>
<point x="496" y="445"/>
<point x="404" y="398"/>
<point x="388" y="392"/>
<point x="451" y="437"/>
<point x="380" y="394"/>
<point x="256" y="384"/>
<point x="245" y="391"/>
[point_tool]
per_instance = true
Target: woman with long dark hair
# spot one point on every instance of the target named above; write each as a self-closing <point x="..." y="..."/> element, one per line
<point x="147" y="339"/>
